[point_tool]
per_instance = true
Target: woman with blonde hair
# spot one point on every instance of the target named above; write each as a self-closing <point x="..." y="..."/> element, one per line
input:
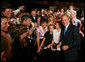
<point x="50" y="20"/>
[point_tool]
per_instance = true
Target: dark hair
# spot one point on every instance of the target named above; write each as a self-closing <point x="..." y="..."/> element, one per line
<point x="43" y="20"/>
<point x="33" y="10"/>
<point x="38" y="16"/>
<point x="25" y="17"/>
<point x="3" y="17"/>
<point x="50" y="25"/>
<point x="17" y="30"/>
<point x="60" y="23"/>
<point x="3" y="9"/>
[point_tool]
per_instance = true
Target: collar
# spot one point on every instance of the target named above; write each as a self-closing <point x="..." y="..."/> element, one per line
<point x="67" y="26"/>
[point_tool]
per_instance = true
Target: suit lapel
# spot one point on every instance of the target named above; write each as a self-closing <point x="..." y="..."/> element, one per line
<point x="68" y="30"/>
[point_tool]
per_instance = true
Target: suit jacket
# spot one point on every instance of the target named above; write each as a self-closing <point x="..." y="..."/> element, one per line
<point x="72" y="39"/>
<point x="34" y="20"/>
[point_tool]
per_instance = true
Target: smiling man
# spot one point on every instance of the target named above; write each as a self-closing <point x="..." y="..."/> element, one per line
<point x="8" y="12"/>
<point x="70" y="39"/>
<point x="4" y="30"/>
<point x="4" y="24"/>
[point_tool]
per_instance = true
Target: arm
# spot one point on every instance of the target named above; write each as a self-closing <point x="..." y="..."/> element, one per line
<point x="80" y="26"/>
<point x="41" y="45"/>
<point x="2" y="56"/>
<point x="52" y="44"/>
<point x="42" y="42"/>
<point x="38" y="40"/>
<point x="82" y="33"/>
<point x="30" y="32"/>
<point x="18" y="10"/>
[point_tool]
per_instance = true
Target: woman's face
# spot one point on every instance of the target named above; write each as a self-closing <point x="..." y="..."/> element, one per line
<point x="51" y="28"/>
<point x="57" y="25"/>
<point x="38" y="19"/>
<point x="51" y="18"/>
<point x="44" y="24"/>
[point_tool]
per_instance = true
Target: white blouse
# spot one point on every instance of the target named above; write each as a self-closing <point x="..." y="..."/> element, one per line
<point x="41" y="31"/>
<point x="56" y="36"/>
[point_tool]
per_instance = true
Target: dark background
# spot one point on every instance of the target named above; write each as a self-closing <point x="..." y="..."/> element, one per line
<point x="42" y="4"/>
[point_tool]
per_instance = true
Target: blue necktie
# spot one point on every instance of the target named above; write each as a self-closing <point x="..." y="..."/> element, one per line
<point x="64" y="31"/>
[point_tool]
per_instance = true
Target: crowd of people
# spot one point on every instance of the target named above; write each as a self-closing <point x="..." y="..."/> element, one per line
<point x="42" y="35"/>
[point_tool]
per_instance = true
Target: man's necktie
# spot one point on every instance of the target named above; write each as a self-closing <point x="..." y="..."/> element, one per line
<point x="64" y="31"/>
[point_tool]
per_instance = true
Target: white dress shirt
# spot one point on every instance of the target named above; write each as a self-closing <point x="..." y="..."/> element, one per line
<point x="76" y="21"/>
<point x="41" y="31"/>
<point x="67" y="27"/>
<point x="56" y="36"/>
<point x="34" y="17"/>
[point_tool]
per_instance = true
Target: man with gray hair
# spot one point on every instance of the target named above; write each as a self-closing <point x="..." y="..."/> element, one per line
<point x="69" y="42"/>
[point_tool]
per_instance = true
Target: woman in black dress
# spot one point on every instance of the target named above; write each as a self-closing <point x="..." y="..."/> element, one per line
<point x="44" y="49"/>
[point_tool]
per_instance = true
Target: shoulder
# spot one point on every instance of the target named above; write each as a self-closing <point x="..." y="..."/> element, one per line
<point x="6" y="36"/>
<point x="47" y="32"/>
<point x="77" y="19"/>
<point x="75" y="28"/>
<point x="39" y="27"/>
<point x="54" y="30"/>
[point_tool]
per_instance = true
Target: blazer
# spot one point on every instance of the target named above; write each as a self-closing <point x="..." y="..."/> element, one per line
<point x="71" y="38"/>
<point x="34" y="20"/>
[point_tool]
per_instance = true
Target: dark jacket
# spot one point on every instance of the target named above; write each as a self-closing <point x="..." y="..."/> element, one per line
<point x="34" y="20"/>
<point x="72" y="39"/>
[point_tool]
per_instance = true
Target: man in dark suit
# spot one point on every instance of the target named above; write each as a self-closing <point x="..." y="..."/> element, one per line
<point x="34" y="16"/>
<point x="70" y="39"/>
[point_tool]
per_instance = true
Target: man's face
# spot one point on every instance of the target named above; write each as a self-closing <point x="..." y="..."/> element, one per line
<point x="8" y="13"/>
<point x="71" y="7"/>
<point x="62" y="10"/>
<point x="4" y="24"/>
<point x="42" y="10"/>
<point x="65" y="20"/>
<point x="33" y="13"/>
<point x="28" y="22"/>
<point x="50" y="12"/>
<point x="51" y="18"/>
